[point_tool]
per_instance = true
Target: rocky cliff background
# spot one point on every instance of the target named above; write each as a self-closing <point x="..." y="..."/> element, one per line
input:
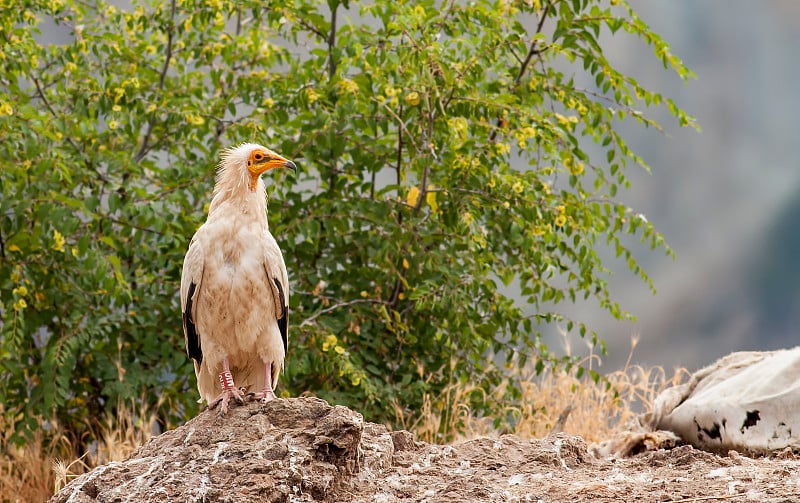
<point x="726" y="199"/>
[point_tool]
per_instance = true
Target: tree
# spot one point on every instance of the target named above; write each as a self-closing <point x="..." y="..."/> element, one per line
<point x="444" y="153"/>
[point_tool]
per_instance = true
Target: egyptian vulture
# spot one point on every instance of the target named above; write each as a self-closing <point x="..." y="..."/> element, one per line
<point x="234" y="286"/>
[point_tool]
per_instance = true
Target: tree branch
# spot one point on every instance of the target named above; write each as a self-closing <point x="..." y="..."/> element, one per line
<point x="40" y="93"/>
<point x="533" y="50"/>
<point x="340" y="305"/>
<point x="332" y="43"/>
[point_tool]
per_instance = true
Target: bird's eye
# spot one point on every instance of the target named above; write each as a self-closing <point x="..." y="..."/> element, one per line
<point x="258" y="156"/>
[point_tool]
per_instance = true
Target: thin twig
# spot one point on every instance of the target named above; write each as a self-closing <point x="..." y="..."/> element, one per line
<point x="340" y="305"/>
<point x="70" y="140"/>
<point x="533" y="50"/>
<point x="145" y="147"/>
<point x="332" y="43"/>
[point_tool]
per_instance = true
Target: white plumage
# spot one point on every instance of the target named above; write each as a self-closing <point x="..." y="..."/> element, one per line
<point x="234" y="286"/>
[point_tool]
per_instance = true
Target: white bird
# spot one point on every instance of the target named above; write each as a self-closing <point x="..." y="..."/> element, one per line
<point x="234" y="286"/>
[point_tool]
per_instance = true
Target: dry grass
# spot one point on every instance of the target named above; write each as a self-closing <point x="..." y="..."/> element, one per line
<point x="555" y="400"/>
<point x="34" y="471"/>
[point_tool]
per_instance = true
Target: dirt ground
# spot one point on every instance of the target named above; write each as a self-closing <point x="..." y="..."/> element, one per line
<point x="304" y="450"/>
<point x="559" y="469"/>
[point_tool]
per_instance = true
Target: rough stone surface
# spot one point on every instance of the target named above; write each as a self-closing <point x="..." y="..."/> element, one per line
<point x="302" y="450"/>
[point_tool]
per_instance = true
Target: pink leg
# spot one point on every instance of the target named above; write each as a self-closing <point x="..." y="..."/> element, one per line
<point x="267" y="393"/>
<point x="229" y="390"/>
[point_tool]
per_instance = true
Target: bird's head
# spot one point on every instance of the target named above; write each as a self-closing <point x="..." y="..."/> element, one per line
<point x="256" y="159"/>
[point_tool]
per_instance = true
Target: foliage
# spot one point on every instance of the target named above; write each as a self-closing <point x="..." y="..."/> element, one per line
<point x="445" y="160"/>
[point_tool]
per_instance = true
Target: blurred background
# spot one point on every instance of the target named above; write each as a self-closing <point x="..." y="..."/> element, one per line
<point x="725" y="199"/>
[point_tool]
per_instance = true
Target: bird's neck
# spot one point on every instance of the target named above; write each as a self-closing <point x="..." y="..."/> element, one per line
<point x="238" y="198"/>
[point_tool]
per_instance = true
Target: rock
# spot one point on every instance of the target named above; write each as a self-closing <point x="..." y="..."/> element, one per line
<point x="298" y="449"/>
<point x="304" y="450"/>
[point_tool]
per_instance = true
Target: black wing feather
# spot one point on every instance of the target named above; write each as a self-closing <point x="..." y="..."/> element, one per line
<point x="192" y="338"/>
<point x="283" y="319"/>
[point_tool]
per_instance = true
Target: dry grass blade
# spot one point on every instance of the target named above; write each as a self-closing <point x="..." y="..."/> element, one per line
<point x="555" y="400"/>
<point x="34" y="471"/>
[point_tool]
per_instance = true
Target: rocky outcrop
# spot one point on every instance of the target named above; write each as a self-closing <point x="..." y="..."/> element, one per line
<point x="299" y="449"/>
<point x="304" y="450"/>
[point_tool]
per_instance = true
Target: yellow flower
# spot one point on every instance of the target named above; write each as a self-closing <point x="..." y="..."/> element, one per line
<point x="502" y="148"/>
<point x="20" y="305"/>
<point x="112" y="125"/>
<point x="518" y="187"/>
<point x="412" y="98"/>
<point x="195" y="119"/>
<point x="561" y="220"/>
<point x="312" y="95"/>
<point x="467" y="218"/>
<point x="14" y="248"/>
<point x="355" y="380"/>
<point x="21" y="291"/>
<point x="405" y="264"/>
<point x="339" y="350"/>
<point x="329" y="341"/>
<point x="151" y="108"/>
<point x="561" y="208"/>
<point x="58" y="241"/>
<point x="268" y="103"/>
<point x="348" y="86"/>
<point x="116" y="108"/>
<point x="5" y="108"/>
<point x="566" y="121"/>
<point x="364" y="294"/>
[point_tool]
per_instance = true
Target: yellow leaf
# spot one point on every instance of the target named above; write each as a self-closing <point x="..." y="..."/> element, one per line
<point x="412" y="197"/>
<point x="430" y="198"/>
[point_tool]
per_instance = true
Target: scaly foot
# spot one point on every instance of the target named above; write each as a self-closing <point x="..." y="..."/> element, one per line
<point x="265" y="395"/>
<point x="229" y="391"/>
<point x="224" y="399"/>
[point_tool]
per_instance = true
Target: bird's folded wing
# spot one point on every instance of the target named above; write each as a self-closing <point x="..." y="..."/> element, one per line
<point x="279" y="283"/>
<point x="191" y="281"/>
